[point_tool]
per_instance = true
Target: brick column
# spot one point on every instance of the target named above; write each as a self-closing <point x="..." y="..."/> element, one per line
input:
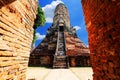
<point x="16" y="34"/>
<point x="102" y="19"/>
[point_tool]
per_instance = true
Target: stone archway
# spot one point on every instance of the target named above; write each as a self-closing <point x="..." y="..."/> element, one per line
<point x="103" y="26"/>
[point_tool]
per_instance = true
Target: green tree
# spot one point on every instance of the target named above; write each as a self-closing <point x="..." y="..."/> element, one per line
<point x="40" y="18"/>
<point x="39" y="21"/>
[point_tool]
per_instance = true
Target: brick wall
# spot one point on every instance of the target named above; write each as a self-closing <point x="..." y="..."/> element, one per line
<point x="102" y="21"/>
<point x="16" y="34"/>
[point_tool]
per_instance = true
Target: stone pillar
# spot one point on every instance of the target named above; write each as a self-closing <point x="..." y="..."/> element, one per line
<point x="16" y="34"/>
<point x="102" y="21"/>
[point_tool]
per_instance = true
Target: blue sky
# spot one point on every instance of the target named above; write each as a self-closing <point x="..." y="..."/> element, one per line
<point x="76" y="18"/>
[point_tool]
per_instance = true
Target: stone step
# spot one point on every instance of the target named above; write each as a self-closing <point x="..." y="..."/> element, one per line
<point x="60" y="60"/>
<point x="60" y="56"/>
<point x="59" y="67"/>
<point x="58" y="63"/>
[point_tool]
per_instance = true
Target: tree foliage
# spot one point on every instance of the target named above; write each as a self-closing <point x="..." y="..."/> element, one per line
<point x="40" y="18"/>
<point x="39" y="21"/>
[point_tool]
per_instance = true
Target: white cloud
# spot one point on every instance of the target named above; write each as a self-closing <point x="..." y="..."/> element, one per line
<point x="87" y="46"/>
<point x="77" y="27"/>
<point x="49" y="10"/>
<point x="39" y="36"/>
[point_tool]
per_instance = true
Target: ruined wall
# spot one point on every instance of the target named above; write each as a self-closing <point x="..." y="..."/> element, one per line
<point x="102" y="21"/>
<point x="16" y="34"/>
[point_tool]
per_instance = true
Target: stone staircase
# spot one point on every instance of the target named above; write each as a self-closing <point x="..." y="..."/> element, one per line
<point x="60" y="62"/>
<point x="60" y="59"/>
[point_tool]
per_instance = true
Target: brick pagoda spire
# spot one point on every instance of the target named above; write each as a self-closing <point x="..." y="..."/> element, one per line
<point x="61" y="47"/>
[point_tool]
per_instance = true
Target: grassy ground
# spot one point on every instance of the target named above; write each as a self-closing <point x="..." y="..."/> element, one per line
<point x="74" y="73"/>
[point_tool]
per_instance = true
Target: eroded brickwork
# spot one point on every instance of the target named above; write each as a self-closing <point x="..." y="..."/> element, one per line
<point x="102" y="21"/>
<point x="16" y="34"/>
<point x="61" y="47"/>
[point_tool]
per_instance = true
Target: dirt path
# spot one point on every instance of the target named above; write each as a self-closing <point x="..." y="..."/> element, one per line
<point x="39" y="73"/>
<point x="61" y="74"/>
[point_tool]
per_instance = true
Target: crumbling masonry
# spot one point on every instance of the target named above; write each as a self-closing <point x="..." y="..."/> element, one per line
<point x="103" y="24"/>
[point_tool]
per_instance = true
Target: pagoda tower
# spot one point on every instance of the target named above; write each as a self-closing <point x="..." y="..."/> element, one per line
<point x="61" y="47"/>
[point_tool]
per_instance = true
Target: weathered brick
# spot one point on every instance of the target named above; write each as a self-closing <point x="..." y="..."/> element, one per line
<point x="102" y="19"/>
<point x="16" y="34"/>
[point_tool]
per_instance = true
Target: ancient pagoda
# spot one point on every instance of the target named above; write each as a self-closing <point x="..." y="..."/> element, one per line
<point x="61" y="47"/>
